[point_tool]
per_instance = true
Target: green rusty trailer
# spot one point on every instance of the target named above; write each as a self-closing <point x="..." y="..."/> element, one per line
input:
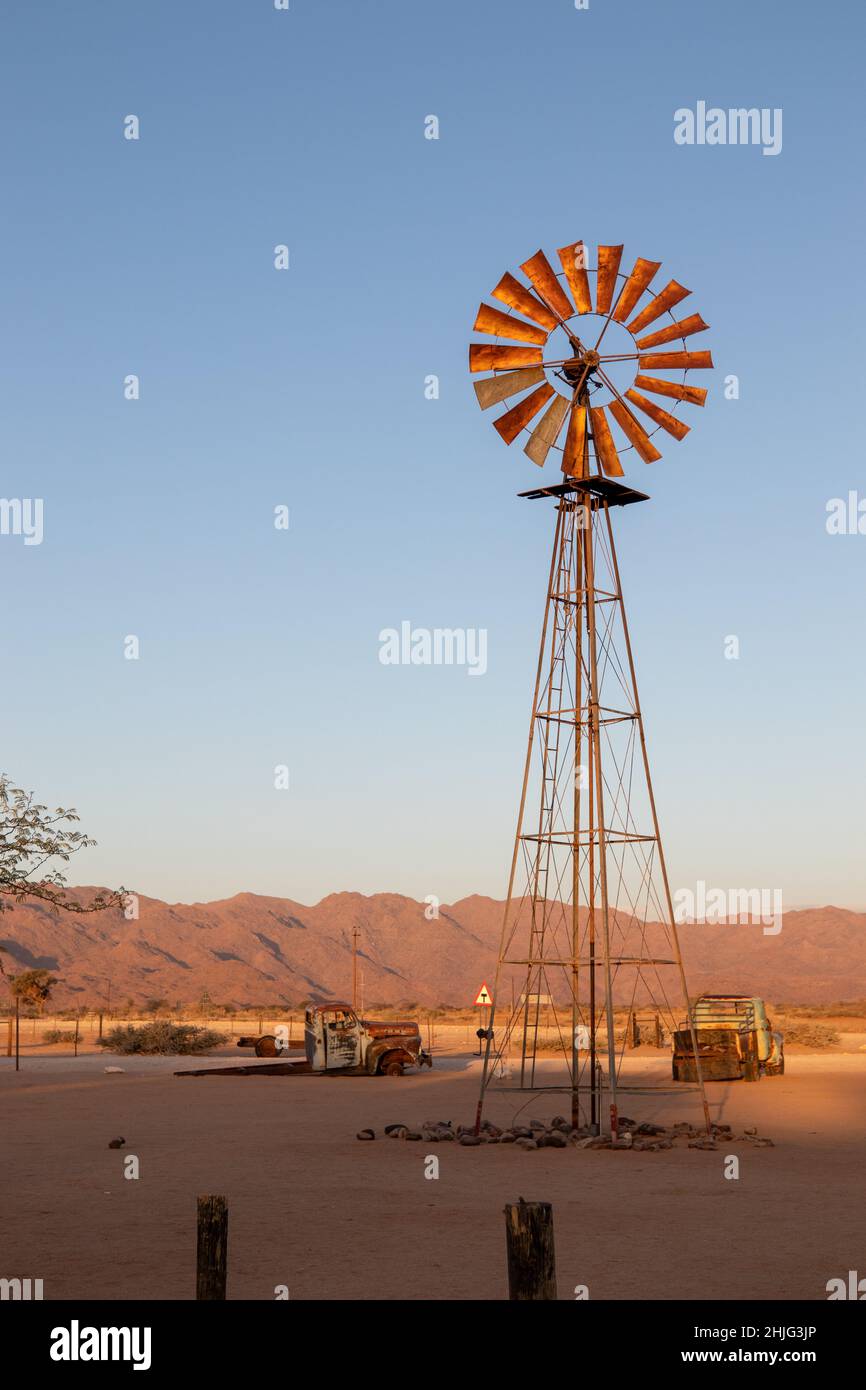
<point x="735" y="1041"/>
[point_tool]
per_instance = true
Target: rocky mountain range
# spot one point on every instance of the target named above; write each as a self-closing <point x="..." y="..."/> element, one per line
<point x="251" y="950"/>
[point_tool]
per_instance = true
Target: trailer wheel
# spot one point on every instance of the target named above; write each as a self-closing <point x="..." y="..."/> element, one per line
<point x="392" y="1067"/>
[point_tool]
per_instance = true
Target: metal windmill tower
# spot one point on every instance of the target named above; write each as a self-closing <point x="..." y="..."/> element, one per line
<point x="589" y="931"/>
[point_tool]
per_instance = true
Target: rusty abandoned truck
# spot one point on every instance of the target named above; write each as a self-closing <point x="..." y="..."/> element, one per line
<point x="735" y="1040"/>
<point x="337" y="1040"/>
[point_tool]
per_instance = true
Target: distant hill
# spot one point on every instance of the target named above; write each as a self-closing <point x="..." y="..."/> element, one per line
<point x="252" y="949"/>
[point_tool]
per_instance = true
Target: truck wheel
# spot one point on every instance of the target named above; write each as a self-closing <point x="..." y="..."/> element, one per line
<point x="392" y="1067"/>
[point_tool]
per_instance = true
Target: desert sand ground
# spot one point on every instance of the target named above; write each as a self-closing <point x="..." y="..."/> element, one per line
<point x="313" y="1208"/>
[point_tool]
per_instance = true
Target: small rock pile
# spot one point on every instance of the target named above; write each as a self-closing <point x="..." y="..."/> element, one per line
<point x="559" y="1133"/>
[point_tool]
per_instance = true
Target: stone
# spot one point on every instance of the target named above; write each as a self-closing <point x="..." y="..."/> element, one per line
<point x="109" y="1070"/>
<point x="366" y="1134"/>
<point x="116" y="1143"/>
<point x="647" y="1128"/>
<point x="470" y="1141"/>
<point x="396" y="1131"/>
<point x="507" y="1137"/>
<point x="525" y="1144"/>
<point x="703" y="1144"/>
<point x="750" y="1129"/>
<point x="555" y="1139"/>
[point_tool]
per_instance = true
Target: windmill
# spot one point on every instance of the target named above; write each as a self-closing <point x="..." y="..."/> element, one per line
<point x="589" y="929"/>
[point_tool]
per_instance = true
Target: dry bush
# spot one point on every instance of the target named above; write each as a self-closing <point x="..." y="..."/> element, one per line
<point x="161" y="1037"/>
<point x="810" y="1034"/>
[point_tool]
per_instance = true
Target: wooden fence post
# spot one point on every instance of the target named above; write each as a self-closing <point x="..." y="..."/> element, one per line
<point x="212" y="1249"/>
<point x="531" y="1258"/>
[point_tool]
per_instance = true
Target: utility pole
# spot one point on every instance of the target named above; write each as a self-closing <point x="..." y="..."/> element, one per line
<point x="356" y="933"/>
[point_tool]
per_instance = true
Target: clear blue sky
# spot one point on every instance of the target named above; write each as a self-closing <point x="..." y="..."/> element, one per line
<point x="260" y="647"/>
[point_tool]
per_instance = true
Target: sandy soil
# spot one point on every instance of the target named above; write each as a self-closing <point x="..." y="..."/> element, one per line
<point x="313" y="1208"/>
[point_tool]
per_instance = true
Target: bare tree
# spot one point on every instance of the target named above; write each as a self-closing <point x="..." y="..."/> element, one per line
<point x="34" y="843"/>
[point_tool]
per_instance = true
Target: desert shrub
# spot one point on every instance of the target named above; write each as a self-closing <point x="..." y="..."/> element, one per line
<point x="161" y="1037"/>
<point x="811" y="1034"/>
<point x="57" y="1035"/>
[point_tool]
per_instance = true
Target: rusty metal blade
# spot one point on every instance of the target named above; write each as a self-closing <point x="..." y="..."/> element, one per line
<point x="675" y="359"/>
<point x="634" y="287"/>
<point x="665" y="299"/>
<point x="655" y="412"/>
<point x="484" y="357"/>
<point x="682" y="329"/>
<point x="574" y="453"/>
<point x="543" y="276"/>
<point x="518" y="297"/>
<point x="609" y="258"/>
<point x="501" y="325"/>
<point x="496" y="388"/>
<point x="512" y="422"/>
<point x="573" y="261"/>
<point x="604" y="446"/>
<point x="546" y="432"/>
<point x="635" y="431"/>
<point x="695" y="394"/>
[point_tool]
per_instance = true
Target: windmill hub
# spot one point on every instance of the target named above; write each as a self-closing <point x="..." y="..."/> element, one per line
<point x="577" y="369"/>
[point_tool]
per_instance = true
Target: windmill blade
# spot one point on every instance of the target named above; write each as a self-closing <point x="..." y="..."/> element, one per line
<point x="695" y="394"/>
<point x="634" y="287"/>
<point x="655" y="412"/>
<point x="518" y="297"/>
<point x="573" y="261"/>
<point x="666" y="299"/>
<point x="603" y="439"/>
<point x="635" y="431"/>
<point x="683" y="329"/>
<point x="609" y="258"/>
<point x="496" y="388"/>
<point x="574" y="454"/>
<point x="485" y="357"/>
<point x="543" y="276"/>
<point x="512" y="422"/>
<point x="675" y="359"/>
<point x="546" y="432"/>
<point x="489" y="320"/>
